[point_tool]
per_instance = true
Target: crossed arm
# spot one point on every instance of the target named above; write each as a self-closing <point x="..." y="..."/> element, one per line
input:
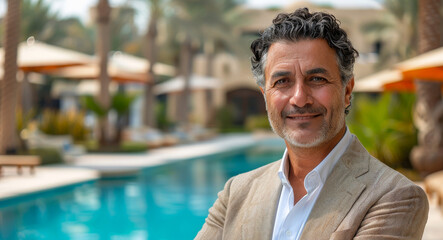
<point x="400" y="214"/>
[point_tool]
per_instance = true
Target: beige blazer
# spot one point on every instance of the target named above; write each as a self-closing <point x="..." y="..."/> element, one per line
<point x="361" y="199"/>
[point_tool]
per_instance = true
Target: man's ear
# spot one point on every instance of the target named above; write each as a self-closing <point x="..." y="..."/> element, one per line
<point x="348" y="91"/>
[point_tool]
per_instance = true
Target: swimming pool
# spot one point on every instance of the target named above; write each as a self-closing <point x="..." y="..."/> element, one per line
<point x="164" y="202"/>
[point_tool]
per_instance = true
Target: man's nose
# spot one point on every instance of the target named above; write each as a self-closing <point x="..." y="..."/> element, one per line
<point x="301" y="95"/>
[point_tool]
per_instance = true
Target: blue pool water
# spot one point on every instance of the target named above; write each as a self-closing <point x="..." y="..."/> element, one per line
<point x="165" y="202"/>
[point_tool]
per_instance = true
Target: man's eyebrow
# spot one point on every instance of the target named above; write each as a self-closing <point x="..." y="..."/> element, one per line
<point x="280" y="74"/>
<point x="317" y="70"/>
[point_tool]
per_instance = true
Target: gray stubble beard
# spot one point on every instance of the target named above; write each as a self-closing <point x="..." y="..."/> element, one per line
<point x="289" y="137"/>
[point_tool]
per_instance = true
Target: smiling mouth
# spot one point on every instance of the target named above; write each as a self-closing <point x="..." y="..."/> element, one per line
<point x="303" y="116"/>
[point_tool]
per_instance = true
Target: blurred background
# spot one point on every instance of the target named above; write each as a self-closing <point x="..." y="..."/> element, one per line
<point x="178" y="66"/>
<point x="130" y="76"/>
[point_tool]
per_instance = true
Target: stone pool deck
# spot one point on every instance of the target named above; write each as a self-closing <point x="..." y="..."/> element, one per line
<point x="93" y="166"/>
<point x="90" y="167"/>
<point x="122" y="164"/>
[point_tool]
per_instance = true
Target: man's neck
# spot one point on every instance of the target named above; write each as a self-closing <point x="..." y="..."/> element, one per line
<point x="304" y="160"/>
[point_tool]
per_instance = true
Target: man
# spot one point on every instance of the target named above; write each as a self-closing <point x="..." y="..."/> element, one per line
<point x="326" y="186"/>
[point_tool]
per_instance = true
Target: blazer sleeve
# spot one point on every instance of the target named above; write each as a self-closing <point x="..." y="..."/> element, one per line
<point x="214" y="223"/>
<point x="400" y="214"/>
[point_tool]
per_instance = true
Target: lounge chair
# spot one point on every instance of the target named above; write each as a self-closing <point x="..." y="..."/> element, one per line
<point x="19" y="161"/>
<point x="153" y="138"/>
<point x="63" y="143"/>
<point x="434" y="187"/>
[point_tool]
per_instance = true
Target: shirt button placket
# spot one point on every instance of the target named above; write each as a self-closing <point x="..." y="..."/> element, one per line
<point x="288" y="233"/>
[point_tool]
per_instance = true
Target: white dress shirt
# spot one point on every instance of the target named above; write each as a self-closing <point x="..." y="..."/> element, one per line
<point x="291" y="219"/>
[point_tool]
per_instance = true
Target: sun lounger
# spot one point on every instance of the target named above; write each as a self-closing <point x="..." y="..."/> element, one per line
<point x="434" y="187"/>
<point x="19" y="161"/>
<point x="63" y="143"/>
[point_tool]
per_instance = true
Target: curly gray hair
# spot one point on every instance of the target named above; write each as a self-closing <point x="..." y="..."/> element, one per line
<point x="300" y="25"/>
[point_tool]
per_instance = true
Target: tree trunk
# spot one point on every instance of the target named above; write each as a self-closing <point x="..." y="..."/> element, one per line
<point x="427" y="157"/>
<point x="186" y="71"/>
<point x="209" y="52"/>
<point x="8" y="88"/>
<point x="209" y="93"/>
<point x="26" y="95"/>
<point x="102" y="46"/>
<point x="151" y="56"/>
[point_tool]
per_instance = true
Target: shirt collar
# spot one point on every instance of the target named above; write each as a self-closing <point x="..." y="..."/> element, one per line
<point x="283" y="170"/>
<point x="322" y="170"/>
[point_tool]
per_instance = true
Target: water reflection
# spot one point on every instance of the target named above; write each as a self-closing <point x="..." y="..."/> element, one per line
<point x="143" y="207"/>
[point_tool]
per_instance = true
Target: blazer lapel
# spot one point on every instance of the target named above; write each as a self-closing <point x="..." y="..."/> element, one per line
<point x="339" y="193"/>
<point x="259" y="222"/>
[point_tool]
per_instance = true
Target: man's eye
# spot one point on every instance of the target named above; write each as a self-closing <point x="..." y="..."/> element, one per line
<point x="281" y="81"/>
<point x="318" y="79"/>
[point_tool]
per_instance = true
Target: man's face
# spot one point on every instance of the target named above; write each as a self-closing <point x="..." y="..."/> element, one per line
<point x="305" y="96"/>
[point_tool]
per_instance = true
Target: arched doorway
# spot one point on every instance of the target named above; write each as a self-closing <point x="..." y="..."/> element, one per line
<point x="245" y="102"/>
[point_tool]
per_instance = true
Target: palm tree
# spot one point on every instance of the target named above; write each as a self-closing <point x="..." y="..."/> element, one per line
<point x="124" y="30"/>
<point x="38" y="21"/>
<point x="35" y="18"/>
<point x="151" y="56"/>
<point x="71" y="33"/>
<point x="198" y="22"/>
<point x="398" y="30"/>
<point x="427" y="156"/>
<point x="8" y="86"/>
<point x="103" y="46"/>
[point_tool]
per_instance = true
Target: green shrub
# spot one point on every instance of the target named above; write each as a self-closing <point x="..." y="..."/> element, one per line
<point x="23" y="119"/>
<point x="161" y="115"/>
<point x="69" y="123"/>
<point x="123" y="147"/>
<point x="225" y="119"/>
<point x="384" y="126"/>
<point x="47" y="155"/>
<point x="128" y="147"/>
<point x="258" y="122"/>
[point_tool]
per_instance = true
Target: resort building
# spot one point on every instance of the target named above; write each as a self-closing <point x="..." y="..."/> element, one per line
<point x="238" y="91"/>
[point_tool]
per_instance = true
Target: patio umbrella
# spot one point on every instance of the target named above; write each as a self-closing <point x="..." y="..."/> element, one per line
<point x="122" y="68"/>
<point x="35" y="56"/>
<point x="92" y="71"/>
<point x="79" y="88"/>
<point x="376" y="82"/>
<point x="427" y="66"/>
<point x="178" y="84"/>
<point x="139" y="65"/>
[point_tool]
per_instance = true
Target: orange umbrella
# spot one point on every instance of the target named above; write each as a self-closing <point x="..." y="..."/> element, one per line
<point x="35" y="56"/>
<point x="427" y="66"/>
<point x="121" y="68"/>
<point x="377" y="82"/>
<point x="92" y="71"/>
<point x="400" y="86"/>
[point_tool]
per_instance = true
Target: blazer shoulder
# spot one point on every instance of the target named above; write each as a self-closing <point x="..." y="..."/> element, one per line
<point x="377" y="176"/>
<point x="264" y="173"/>
<point x="381" y="171"/>
<point x="371" y="170"/>
<point x="384" y="179"/>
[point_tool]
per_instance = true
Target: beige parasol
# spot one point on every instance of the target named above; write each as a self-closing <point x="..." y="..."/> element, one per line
<point x="121" y="68"/>
<point x="35" y="56"/>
